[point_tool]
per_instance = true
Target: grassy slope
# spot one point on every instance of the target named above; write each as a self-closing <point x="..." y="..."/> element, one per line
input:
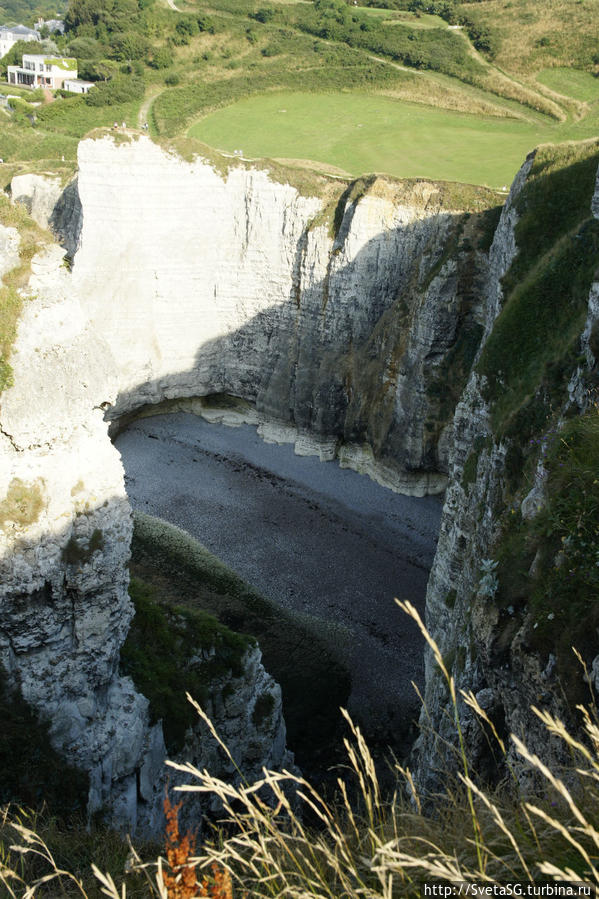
<point x="303" y="660"/>
<point x="535" y="35"/>
<point x="571" y="82"/>
<point x="51" y="144"/>
<point x="237" y="56"/>
<point x="548" y="283"/>
<point x="406" y="140"/>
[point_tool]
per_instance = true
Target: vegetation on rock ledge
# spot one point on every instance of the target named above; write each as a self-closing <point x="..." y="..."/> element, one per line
<point x="32" y="239"/>
<point x="299" y="655"/>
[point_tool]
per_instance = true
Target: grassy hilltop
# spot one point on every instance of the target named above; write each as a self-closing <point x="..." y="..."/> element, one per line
<point x="440" y="89"/>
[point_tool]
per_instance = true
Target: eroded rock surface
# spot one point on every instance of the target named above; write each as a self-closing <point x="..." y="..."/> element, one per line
<point x="489" y="646"/>
<point x="354" y="337"/>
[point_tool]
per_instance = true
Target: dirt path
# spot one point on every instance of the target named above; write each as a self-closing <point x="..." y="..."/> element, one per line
<point x="143" y="115"/>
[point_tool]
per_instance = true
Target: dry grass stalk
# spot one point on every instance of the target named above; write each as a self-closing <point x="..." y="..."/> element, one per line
<point x="365" y="848"/>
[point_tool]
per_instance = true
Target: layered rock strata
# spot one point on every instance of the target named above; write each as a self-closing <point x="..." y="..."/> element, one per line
<point x="489" y="648"/>
<point x="182" y="282"/>
<point x="201" y="284"/>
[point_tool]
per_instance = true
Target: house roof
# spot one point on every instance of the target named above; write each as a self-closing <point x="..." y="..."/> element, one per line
<point x="67" y="63"/>
<point x="19" y="29"/>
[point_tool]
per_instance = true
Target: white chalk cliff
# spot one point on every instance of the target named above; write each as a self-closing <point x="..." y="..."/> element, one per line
<point x="185" y="282"/>
<point x="350" y="331"/>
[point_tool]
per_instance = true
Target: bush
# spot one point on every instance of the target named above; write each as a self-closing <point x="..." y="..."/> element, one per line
<point x="264" y="15"/>
<point x="187" y="26"/>
<point x="86" y="48"/>
<point x="129" y="45"/>
<point x="97" y="70"/>
<point x="272" y="49"/>
<point x="163" y="654"/>
<point x="119" y="90"/>
<point x="161" y="59"/>
<point x="205" y="23"/>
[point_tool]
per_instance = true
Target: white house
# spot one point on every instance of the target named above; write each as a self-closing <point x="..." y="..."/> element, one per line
<point x="77" y="85"/>
<point x="10" y="34"/>
<point x="43" y="71"/>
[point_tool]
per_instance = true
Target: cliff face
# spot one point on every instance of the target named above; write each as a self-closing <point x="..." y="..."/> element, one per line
<point x="65" y="539"/>
<point x="342" y="330"/>
<point x="351" y="324"/>
<point x="186" y="283"/>
<point x="468" y="529"/>
<point x="511" y="590"/>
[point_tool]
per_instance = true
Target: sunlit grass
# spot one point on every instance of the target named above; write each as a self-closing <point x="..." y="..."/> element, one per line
<point x="361" y="133"/>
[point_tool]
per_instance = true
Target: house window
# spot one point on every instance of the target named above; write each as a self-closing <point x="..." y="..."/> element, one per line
<point x="48" y="68"/>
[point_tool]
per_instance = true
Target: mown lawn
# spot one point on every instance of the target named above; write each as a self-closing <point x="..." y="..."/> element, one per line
<point x="362" y="133"/>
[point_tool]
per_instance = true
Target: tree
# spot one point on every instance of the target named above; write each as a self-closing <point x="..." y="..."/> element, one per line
<point x="162" y="58"/>
<point x="83" y="12"/>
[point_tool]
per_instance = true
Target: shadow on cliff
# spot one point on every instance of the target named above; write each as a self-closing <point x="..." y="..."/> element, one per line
<point x="386" y="373"/>
<point x="381" y="362"/>
<point x="67" y="652"/>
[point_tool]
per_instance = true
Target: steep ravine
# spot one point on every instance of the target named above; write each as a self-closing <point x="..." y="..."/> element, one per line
<point x="347" y="322"/>
<point x="314" y="539"/>
<point x="348" y="330"/>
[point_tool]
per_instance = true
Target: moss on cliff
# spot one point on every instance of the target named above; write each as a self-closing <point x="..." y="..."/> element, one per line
<point x="548" y="566"/>
<point x="22" y="504"/>
<point x="536" y="334"/>
<point x="11" y="300"/>
<point x="171" y="650"/>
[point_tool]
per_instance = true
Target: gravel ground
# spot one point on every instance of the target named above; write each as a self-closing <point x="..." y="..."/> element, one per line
<point x="309" y="535"/>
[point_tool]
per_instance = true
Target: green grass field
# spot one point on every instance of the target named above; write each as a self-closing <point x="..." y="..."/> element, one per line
<point x="362" y="133"/>
<point x="571" y="82"/>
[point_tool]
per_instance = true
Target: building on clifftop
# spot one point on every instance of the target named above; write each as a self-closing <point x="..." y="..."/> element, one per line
<point x="10" y="34"/>
<point x="53" y="72"/>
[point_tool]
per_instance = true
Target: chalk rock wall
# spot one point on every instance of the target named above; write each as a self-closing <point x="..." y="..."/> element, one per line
<point x="64" y="539"/>
<point x="183" y="282"/>
<point x="486" y="646"/>
<point x="201" y="284"/>
<point x="9" y="249"/>
<point x="247" y="712"/>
